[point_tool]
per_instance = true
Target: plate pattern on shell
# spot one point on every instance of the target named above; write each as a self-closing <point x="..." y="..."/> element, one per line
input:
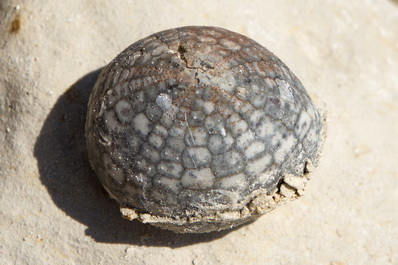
<point x="195" y="119"/>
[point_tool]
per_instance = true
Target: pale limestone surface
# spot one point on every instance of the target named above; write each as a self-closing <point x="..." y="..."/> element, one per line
<point x="52" y="208"/>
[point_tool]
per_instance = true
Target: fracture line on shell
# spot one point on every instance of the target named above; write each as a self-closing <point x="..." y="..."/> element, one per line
<point x="189" y="129"/>
<point x="193" y="142"/>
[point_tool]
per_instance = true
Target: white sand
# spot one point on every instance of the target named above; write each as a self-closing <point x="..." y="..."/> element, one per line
<point x="53" y="210"/>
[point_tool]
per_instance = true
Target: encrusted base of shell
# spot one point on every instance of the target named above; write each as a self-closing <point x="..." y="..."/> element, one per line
<point x="259" y="203"/>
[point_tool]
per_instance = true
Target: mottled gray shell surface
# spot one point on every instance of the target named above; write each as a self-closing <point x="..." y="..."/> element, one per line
<point x="199" y="129"/>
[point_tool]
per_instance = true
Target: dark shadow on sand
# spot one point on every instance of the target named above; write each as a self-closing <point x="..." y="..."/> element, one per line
<point x="65" y="171"/>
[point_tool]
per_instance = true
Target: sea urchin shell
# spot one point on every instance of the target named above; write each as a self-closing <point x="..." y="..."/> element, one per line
<point x="199" y="129"/>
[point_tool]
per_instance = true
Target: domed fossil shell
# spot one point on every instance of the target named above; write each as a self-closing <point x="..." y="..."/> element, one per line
<point x="199" y="129"/>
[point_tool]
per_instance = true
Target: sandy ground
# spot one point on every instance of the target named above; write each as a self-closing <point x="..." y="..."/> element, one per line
<point x="54" y="211"/>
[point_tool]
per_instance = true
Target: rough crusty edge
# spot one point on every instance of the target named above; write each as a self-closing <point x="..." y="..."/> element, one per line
<point x="262" y="202"/>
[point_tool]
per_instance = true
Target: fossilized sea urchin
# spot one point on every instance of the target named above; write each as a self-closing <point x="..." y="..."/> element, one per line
<point x="199" y="129"/>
